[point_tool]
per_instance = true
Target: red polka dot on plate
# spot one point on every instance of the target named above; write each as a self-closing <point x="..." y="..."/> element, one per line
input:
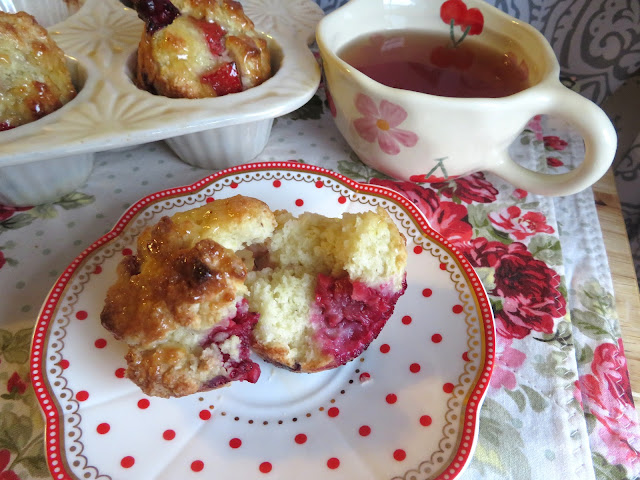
<point x="209" y="199"/>
<point x="64" y="364"/>
<point x="127" y="462"/>
<point x="143" y="403"/>
<point x="300" y="438"/>
<point x="100" y="343"/>
<point x="342" y="199"/>
<point x="197" y="465"/>
<point x="233" y="185"/>
<point x="436" y="338"/>
<point x="399" y="455"/>
<point x="425" y="420"/>
<point x="457" y="309"/>
<point x="406" y="320"/>
<point x="417" y="249"/>
<point x="365" y="377"/>
<point x="319" y="184"/>
<point x="82" y="315"/>
<point x="235" y="443"/>
<point x="127" y="251"/>
<point x="465" y="357"/>
<point x="364" y="430"/>
<point x="333" y="412"/>
<point x="443" y="266"/>
<point x="265" y="467"/>
<point x="120" y="372"/>
<point x="205" y="414"/>
<point x="97" y="270"/>
<point x="82" y="395"/>
<point x="333" y="463"/>
<point x="391" y="398"/>
<point x="447" y="387"/>
<point x="169" y="434"/>
<point x="277" y="183"/>
<point x="103" y="428"/>
<point x="414" y="367"/>
<point x="427" y="292"/>
<point x="384" y="348"/>
<point x="299" y="202"/>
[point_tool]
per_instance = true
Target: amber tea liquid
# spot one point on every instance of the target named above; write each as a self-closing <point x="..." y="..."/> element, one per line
<point x="429" y="63"/>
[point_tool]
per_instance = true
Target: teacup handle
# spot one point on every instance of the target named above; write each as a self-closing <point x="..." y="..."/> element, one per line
<point x="600" y="147"/>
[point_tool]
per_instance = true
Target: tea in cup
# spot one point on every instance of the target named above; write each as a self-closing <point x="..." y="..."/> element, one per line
<point x="426" y="91"/>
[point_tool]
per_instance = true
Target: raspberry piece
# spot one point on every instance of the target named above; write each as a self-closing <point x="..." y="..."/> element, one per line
<point x="224" y="80"/>
<point x="351" y="315"/>
<point x="214" y="34"/>
<point x="157" y="14"/>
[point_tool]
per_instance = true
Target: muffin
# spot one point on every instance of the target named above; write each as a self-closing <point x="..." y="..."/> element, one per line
<point x="199" y="48"/>
<point x="180" y="301"/>
<point x="34" y="79"/>
<point x="325" y="287"/>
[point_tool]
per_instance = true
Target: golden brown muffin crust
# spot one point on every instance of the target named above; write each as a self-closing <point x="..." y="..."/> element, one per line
<point x="34" y="79"/>
<point x="179" y="61"/>
<point x="159" y="290"/>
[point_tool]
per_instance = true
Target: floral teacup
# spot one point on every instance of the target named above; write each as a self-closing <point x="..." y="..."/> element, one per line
<point x="423" y="137"/>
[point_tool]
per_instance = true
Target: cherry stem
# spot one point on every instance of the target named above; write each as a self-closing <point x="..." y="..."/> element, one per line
<point x="455" y="42"/>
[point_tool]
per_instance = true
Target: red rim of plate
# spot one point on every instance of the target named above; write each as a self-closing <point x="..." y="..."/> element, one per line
<point x="54" y="446"/>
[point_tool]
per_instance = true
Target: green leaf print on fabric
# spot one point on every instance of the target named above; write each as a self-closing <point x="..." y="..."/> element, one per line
<point x="75" y="200"/>
<point x="356" y="170"/>
<point x="527" y="396"/>
<point x="312" y="110"/>
<point x="18" y="220"/>
<point x="597" y="318"/>
<point x="46" y="211"/>
<point x="21" y="425"/>
<point x="606" y="471"/>
<point x="546" y="248"/>
<point x="14" y="348"/>
<point x="500" y="448"/>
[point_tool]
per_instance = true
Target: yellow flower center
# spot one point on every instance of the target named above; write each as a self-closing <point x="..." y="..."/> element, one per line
<point x="382" y="124"/>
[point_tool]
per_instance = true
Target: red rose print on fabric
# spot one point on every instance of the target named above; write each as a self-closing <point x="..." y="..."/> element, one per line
<point x="7" y="212"/>
<point x="552" y="142"/>
<point x="609" y="391"/>
<point x="528" y="287"/>
<point x="5" y="457"/>
<point x="15" y="384"/>
<point x="468" y="189"/>
<point x="520" y="193"/>
<point x="380" y="123"/>
<point x="520" y="225"/>
<point x="535" y="125"/>
<point x="554" y="162"/>
<point x="447" y="218"/>
<point x="508" y="360"/>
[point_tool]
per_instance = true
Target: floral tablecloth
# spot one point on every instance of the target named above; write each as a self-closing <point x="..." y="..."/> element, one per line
<point x="559" y="403"/>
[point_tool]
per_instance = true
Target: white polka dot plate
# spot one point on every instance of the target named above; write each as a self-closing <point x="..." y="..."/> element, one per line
<point x="407" y="408"/>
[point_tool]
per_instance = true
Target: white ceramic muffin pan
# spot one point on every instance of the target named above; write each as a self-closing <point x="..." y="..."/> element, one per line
<point x="50" y="157"/>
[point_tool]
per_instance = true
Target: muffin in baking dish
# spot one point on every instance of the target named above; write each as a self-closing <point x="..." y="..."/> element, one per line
<point x="34" y="79"/>
<point x="180" y="301"/>
<point x="199" y="48"/>
<point x="325" y="288"/>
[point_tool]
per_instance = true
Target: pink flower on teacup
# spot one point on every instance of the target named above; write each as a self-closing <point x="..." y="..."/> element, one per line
<point x="519" y="225"/>
<point x="380" y="123"/>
